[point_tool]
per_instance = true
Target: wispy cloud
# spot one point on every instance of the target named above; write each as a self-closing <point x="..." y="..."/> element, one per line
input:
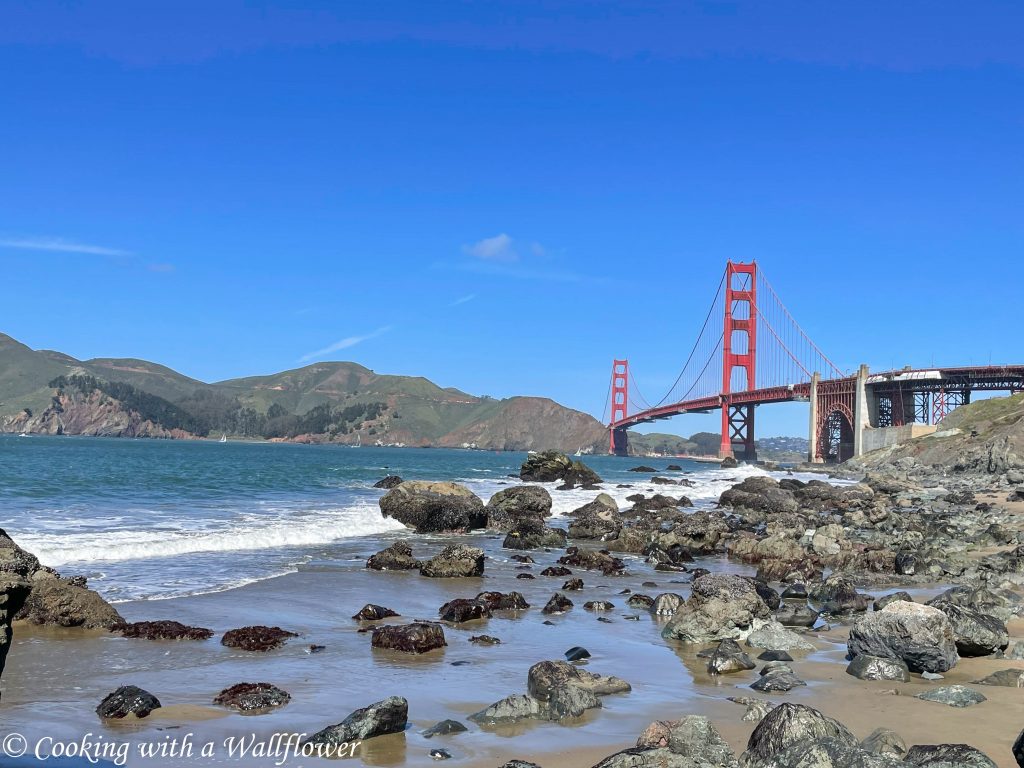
<point x="463" y="299"/>
<point x="497" y="248"/>
<point x="61" y="245"/>
<point x="348" y="341"/>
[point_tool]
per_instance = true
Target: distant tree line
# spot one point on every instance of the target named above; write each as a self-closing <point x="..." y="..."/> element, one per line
<point x="207" y="411"/>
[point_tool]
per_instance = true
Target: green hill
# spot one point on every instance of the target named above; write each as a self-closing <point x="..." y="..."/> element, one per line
<point x="50" y="392"/>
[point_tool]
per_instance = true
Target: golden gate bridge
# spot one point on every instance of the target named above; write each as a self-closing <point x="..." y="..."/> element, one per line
<point x="761" y="355"/>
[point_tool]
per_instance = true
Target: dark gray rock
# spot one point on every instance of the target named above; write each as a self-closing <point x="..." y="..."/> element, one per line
<point x="866" y="667"/>
<point x="429" y="507"/>
<point x="885" y="741"/>
<point x="728" y="657"/>
<point x="953" y="696"/>
<point x="976" y="633"/>
<point x="397" y="557"/>
<point x="720" y="607"/>
<point x="444" y="728"/>
<point x="387" y="716"/>
<point x="388" y="482"/>
<point x="462" y="609"/>
<point x="509" y="506"/>
<point x="1007" y="678"/>
<point x="252" y="697"/>
<point x="947" y="756"/>
<point x="455" y="560"/>
<point x="790" y="724"/>
<point x="127" y="701"/>
<point x="533" y="533"/>
<point x="778" y="681"/>
<point x="418" y="637"/>
<point x="371" y="612"/>
<point x="920" y="635"/>
<point x="558" y="603"/>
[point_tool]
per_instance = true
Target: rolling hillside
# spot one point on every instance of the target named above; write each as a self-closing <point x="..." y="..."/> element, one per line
<point x="51" y="393"/>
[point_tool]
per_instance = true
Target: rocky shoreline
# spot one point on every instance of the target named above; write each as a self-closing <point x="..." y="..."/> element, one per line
<point x="816" y="549"/>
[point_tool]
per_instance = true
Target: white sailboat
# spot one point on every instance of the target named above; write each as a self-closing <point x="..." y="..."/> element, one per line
<point x="359" y="442"/>
<point x="579" y="451"/>
<point x="223" y="438"/>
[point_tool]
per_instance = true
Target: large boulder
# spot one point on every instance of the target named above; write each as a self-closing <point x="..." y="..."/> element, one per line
<point x="920" y="635"/>
<point x="976" y="633"/>
<point x="509" y="506"/>
<point x="434" y="507"/>
<point x="690" y="742"/>
<point x="453" y="561"/>
<point x="383" y="717"/>
<point x="788" y="725"/>
<point x="720" y="607"/>
<point x="552" y="466"/>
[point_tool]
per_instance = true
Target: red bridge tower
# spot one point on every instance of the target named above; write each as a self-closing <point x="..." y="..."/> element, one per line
<point x="739" y="354"/>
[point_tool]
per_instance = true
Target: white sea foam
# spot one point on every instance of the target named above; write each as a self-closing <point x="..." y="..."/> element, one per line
<point x="707" y="486"/>
<point x="269" y="530"/>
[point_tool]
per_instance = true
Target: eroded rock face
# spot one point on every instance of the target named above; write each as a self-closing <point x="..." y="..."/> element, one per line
<point x="256" y="638"/>
<point x="434" y="507"/>
<point x="127" y="701"/>
<point x="397" y="557"/>
<point x="252" y="697"/>
<point x="920" y="635"/>
<point x="456" y="560"/>
<point x="418" y="637"/>
<point x="378" y="719"/>
<point x="721" y="607"/>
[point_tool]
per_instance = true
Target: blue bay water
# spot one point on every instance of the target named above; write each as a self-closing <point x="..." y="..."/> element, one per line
<point x="156" y="519"/>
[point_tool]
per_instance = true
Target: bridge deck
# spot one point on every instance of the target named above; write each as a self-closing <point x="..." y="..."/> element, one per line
<point x="987" y="377"/>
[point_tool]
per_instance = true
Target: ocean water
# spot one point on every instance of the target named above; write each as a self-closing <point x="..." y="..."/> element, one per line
<point x="148" y="519"/>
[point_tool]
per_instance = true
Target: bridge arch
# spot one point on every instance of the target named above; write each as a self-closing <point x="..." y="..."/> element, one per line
<point x="835" y="437"/>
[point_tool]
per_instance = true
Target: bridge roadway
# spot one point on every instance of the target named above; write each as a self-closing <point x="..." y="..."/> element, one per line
<point x="865" y="400"/>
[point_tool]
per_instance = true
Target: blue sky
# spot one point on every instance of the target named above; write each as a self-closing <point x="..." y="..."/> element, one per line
<point x="503" y="196"/>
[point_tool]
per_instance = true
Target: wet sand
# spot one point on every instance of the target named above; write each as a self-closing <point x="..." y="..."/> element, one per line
<point x="55" y="678"/>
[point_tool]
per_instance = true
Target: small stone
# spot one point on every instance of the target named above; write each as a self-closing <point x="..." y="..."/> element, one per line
<point x="256" y="638"/>
<point x="557" y="604"/>
<point x="572" y="585"/>
<point x="598" y="605"/>
<point x="128" y="700"/>
<point x="444" y="728"/>
<point x="371" y="612"/>
<point x="252" y="697"/>
<point x="577" y="653"/>
<point x="775" y="656"/>
<point x="440" y="754"/>
<point x="953" y="696"/>
<point x="485" y="640"/>
<point x="866" y="667"/>
<point x="315" y="648"/>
